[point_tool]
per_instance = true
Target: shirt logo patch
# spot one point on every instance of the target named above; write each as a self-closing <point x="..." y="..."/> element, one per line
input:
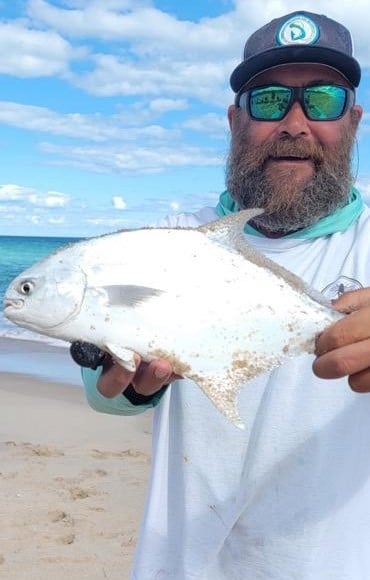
<point x="340" y="286"/>
<point x="298" y="30"/>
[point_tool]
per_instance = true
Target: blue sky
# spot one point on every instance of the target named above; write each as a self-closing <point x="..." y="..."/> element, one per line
<point x="113" y="112"/>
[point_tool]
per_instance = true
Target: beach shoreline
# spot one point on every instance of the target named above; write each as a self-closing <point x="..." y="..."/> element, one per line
<point x="72" y="481"/>
<point x="39" y="359"/>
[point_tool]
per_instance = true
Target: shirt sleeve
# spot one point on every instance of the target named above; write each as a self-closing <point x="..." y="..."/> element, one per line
<point x="118" y="405"/>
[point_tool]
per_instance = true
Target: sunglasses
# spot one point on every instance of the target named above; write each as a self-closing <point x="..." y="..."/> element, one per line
<point x="273" y="102"/>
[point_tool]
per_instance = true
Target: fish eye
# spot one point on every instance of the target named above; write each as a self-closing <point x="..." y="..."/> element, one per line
<point x="26" y="287"/>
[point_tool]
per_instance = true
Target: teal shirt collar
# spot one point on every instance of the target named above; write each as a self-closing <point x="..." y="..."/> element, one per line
<point x="338" y="221"/>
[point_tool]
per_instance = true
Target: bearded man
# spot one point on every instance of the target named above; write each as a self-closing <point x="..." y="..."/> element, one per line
<point x="297" y="172"/>
<point x="289" y="497"/>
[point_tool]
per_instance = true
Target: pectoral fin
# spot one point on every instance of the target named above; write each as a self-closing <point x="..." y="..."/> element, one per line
<point x="128" y="295"/>
<point x="124" y="356"/>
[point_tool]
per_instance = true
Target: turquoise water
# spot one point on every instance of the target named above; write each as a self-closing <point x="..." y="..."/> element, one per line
<point x="16" y="254"/>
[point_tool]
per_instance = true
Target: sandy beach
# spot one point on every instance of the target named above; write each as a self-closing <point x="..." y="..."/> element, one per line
<point x="72" y="481"/>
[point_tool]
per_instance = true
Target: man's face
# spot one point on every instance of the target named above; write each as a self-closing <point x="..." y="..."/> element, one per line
<point x="295" y="168"/>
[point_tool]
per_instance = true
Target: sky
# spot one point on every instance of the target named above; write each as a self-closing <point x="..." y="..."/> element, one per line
<point x="113" y="112"/>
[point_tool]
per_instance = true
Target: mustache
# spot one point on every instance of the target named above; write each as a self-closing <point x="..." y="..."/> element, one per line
<point x="284" y="147"/>
<point x="295" y="148"/>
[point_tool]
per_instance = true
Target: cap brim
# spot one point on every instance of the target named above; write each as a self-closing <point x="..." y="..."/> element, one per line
<point x="345" y="65"/>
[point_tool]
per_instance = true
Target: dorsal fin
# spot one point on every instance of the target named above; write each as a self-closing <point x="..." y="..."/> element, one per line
<point x="230" y="226"/>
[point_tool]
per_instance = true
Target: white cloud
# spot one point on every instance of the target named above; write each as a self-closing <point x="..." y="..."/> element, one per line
<point x="211" y="123"/>
<point x="147" y="27"/>
<point x="32" y="53"/>
<point x="56" y="220"/>
<point x="34" y="219"/>
<point x="118" y="202"/>
<point x="152" y="52"/>
<point x="13" y="192"/>
<point x="160" y="106"/>
<point x="90" y="127"/>
<point x="134" y="160"/>
<point x="155" y="52"/>
<point x="9" y="210"/>
<point x="175" y="205"/>
<point x="146" y="51"/>
<point x="51" y="199"/>
<point x="114" y="76"/>
<point x="106" y="222"/>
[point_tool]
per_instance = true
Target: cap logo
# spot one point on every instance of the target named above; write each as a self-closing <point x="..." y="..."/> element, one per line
<point x="298" y="30"/>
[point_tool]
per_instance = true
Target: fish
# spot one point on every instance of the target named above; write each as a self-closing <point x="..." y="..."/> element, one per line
<point x="203" y="298"/>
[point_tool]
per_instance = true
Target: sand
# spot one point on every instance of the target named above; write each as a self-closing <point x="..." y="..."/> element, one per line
<point x="72" y="481"/>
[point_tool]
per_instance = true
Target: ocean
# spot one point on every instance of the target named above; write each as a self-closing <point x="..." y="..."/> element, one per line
<point x="16" y="254"/>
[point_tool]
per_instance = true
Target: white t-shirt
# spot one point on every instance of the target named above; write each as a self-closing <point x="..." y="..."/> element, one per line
<point x="289" y="497"/>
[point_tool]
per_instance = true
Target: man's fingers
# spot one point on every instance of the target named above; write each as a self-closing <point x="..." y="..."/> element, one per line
<point x="351" y="329"/>
<point x="147" y="380"/>
<point x="360" y="382"/>
<point x="150" y="377"/>
<point x="343" y="349"/>
<point x="351" y="359"/>
<point x="351" y="301"/>
<point x="115" y="378"/>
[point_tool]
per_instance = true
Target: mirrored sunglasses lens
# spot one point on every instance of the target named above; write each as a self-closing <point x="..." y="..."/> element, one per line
<point x="269" y="103"/>
<point x="325" y="102"/>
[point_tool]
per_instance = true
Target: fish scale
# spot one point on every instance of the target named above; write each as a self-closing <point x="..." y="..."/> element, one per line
<point x="201" y="298"/>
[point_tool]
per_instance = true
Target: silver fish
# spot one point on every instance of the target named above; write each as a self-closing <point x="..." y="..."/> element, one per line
<point x="202" y="298"/>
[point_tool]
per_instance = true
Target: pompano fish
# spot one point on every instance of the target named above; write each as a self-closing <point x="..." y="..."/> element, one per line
<point x="202" y="298"/>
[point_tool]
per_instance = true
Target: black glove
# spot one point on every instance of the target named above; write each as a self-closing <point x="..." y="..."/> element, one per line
<point x="86" y="354"/>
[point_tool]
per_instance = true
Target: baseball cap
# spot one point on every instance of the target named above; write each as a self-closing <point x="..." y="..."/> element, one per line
<point x="298" y="37"/>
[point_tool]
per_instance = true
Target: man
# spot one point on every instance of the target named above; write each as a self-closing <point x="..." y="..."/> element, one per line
<point x="289" y="497"/>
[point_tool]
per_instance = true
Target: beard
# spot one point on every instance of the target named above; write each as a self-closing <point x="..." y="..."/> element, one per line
<point x="290" y="201"/>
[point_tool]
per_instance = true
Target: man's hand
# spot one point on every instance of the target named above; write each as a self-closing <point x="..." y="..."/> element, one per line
<point x="147" y="380"/>
<point x="344" y="348"/>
